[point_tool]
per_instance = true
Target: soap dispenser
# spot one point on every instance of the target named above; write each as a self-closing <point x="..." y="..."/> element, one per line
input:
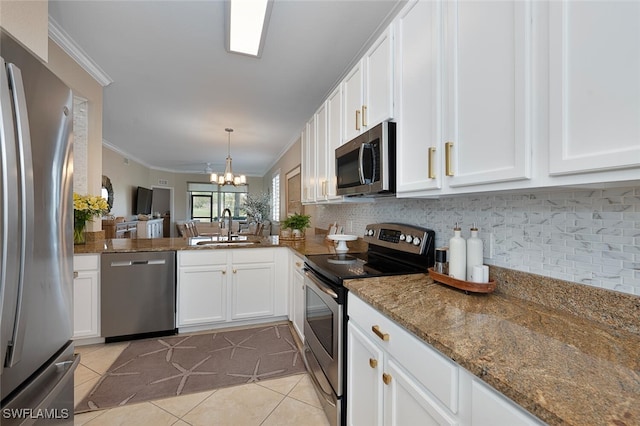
<point x="474" y="254"/>
<point x="457" y="255"/>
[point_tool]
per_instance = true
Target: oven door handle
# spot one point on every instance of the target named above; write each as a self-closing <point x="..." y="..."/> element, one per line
<point x="322" y="287"/>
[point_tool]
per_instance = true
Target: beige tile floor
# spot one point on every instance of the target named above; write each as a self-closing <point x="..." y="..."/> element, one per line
<point x="286" y="401"/>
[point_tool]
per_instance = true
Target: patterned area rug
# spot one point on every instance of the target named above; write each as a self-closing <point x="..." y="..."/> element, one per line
<point x="176" y="365"/>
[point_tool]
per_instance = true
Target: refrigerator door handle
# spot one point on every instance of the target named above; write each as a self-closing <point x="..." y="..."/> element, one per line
<point x="25" y="188"/>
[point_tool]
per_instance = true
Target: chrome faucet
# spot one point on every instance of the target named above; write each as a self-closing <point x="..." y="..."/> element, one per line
<point x="229" y="225"/>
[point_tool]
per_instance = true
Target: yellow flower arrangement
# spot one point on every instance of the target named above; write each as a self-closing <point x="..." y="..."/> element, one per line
<point x="85" y="208"/>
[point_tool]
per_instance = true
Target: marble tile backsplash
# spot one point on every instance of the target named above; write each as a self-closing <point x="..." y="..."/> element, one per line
<point x="590" y="237"/>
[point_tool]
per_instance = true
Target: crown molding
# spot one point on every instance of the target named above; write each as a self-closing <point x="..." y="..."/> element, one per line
<point x="66" y="43"/>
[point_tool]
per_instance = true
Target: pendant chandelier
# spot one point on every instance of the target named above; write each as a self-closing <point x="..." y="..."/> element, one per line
<point x="228" y="178"/>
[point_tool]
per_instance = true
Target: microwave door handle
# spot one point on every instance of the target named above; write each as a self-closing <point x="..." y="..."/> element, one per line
<point x="361" y="164"/>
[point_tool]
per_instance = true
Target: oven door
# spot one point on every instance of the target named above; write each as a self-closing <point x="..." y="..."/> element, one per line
<point x="323" y="325"/>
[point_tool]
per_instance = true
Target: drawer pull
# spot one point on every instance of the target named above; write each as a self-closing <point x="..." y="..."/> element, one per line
<point x="373" y="363"/>
<point x="357" y="119"/>
<point x="386" y="378"/>
<point x="380" y="334"/>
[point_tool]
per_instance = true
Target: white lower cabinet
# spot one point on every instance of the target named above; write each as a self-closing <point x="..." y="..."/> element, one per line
<point x="296" y="291"/>
<point x="236" y="285"/>
<point x="393" y="378"/>
<point x="86" y="294"/>
<point x="202" y="288"/>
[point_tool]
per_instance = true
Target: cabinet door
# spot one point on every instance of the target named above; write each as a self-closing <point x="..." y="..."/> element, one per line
<point x="202" y="296"/>
<point x="488" y="99"/>
<point x="419" y="59"/>
<point x="352" y="87"/>
<point x="321" y="153"/>
<point x="297" y="296"/>
<point x="309" y="163"/>
<point x="86" y="291"/>
<point x="407" y="403"/>
<point x="252" y="290"/>
<point x="378" y="81"/>
<point x="490" y="407"/>
<point x="364" y="380"/>
<point x="334" y="138"/>
<point x="594" y="86"/>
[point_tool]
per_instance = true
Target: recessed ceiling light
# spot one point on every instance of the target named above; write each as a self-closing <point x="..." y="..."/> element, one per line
<point x="247" y="25"/>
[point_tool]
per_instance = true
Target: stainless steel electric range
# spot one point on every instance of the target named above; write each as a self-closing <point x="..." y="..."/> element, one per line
<point x="393" y="249"/>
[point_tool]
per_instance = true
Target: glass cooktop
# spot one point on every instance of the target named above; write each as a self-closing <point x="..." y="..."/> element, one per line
<point x="338" y="267"/>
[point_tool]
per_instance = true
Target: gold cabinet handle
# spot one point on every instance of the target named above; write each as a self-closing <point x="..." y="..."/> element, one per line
<point x="447" y="153"/>
<point x="386" y="378"/>
<point x="380" y="334"/>
<point x="364" y="115"/>
<point x="235" y="271"/>
<point x="432" y="169"/>
<point x="224" y="272"/>
<point x="357" y="119"/>
<point x="299" y="264"/>
<point x="373" y="363"/>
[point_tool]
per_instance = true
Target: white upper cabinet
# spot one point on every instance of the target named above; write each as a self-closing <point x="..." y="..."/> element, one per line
<point x="352" y="88"/>
<point x="368" y="88"/>
<point x="309" y="162"/>
<point x="463" y="95"/>
<point x="378" y="81"/>
<point x="419" y="56"/>
<point x="487" y="119"/>
<point x="594" y="77"/>
<point x="334" y="140"/>
<point x="321" y="153"/>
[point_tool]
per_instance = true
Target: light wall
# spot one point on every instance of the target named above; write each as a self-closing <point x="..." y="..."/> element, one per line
<point x="289" y="161"/>
<point x="82" y="84"/>
<point x="28" y="22"/>
<point x="125" y="178"/>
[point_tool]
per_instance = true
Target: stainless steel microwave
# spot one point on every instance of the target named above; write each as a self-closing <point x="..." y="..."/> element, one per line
<point x="366" y="165"/>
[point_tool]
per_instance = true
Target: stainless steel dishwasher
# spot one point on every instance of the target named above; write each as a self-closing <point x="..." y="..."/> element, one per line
<point x="138" y="295"/>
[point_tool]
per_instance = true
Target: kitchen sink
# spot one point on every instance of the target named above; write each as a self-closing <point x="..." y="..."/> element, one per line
<point x="241" y="240"/>
<point x="226" y="243"/>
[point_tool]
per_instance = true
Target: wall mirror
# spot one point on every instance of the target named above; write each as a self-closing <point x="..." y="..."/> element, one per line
<point x="107" y="191"/>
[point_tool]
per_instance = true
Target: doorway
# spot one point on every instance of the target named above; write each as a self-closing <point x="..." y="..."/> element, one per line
<point x="162" y="202"/>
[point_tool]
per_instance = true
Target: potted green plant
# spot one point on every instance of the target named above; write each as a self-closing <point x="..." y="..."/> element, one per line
<point x="297" y="223"/>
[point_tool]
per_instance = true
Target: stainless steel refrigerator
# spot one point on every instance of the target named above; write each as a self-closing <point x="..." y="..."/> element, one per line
<point x="36" y="238"/>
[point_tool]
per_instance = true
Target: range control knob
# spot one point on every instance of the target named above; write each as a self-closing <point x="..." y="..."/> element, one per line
<point x="416" y="241"/>
<point x="370" y="232"/>
<point x="409" y="238"/>
<point x="402" y="237"/>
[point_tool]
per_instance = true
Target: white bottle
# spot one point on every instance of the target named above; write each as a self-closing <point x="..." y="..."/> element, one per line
<point x="474" y="253"/>
<point x="457" y="255"/>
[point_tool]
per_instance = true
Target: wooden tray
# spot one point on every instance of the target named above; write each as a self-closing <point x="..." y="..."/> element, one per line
<point x="463" y="285"/>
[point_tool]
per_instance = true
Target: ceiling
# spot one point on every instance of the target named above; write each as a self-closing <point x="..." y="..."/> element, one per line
<point x="175" y="88"/>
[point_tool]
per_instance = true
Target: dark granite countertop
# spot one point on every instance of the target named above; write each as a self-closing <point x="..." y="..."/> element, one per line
<point x="310" y="245"/>
<point x="567" y="363"/>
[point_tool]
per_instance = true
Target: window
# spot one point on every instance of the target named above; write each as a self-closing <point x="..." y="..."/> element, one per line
<point x="275" y="197"/>
<point x="208" y="201"/>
